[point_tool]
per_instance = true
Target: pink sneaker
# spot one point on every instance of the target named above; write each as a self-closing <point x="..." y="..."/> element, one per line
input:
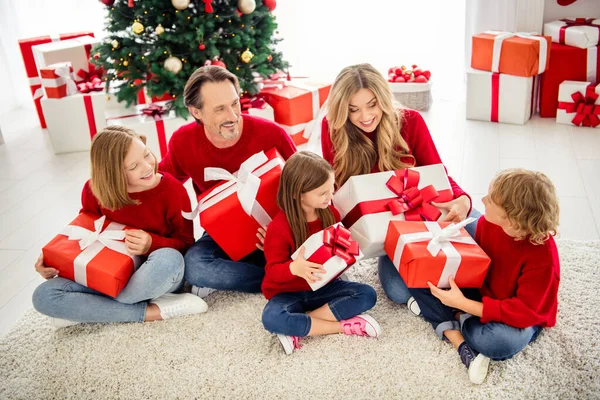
<point x="361" y="325"/>
<point x="289" y="343"/>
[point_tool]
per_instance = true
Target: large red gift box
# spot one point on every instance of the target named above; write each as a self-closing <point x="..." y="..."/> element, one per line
<point x="567" y="63"/>
<point x="334" y="249"/>
<point x="232" y="211"/>
<point x="32" y="70"/>
<point x="91" y="252"/>
<point x="434" y="251"/>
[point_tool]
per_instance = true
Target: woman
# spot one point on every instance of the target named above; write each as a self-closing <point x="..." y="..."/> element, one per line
<point x="365" y="132"/>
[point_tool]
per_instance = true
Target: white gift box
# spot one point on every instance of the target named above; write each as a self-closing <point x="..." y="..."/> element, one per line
<point x="499" y="97"/>
<point x="77" y="51"/>
<point x="578" y="104"/>
<point x="334" y="266"/>
<point x="158" y="129"/>
<point x="266" y="112"/>
<point x="369" y="229"/>
<point x="74" y="120"/>
<point x="577" y="32"/>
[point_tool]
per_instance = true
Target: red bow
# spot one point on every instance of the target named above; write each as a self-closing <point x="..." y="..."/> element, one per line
<point x="412" y="201"/>
<point x="579" y="22"/>
<point x="586" y="112"/>
<point x="91" y="73"/>
<point x="255" y="102"/>
<point x="154" y="110"/>
<point x="208" y="6"/>
<point x="95" y="85"/>
<point x="338" y="239"/>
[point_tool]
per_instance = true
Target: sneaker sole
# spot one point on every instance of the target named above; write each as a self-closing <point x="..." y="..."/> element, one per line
<point x="285" y="342"/>
<point x="478" y="369"/>
<point x="373" y="324"/>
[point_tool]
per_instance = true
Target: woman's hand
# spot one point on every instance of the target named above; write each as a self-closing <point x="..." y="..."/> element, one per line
<point x="306" y="269"/>
<point x="46" y="273"/>
<point x="261" y="238"/>
<point x="457" y="209"/>
<point x="138" y="242"/>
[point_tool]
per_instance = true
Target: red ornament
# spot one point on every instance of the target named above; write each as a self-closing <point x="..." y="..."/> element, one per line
<point x="271" y="4"/>
<point x="218" y="63"/>
<point x="202" y="46"/>
<point x="269" y="58"/>
<point x="208" y="8"/>
<point x="108" y="3"/>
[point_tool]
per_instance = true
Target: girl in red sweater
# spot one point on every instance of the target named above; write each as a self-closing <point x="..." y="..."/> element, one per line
<point x="126" y="188"/>
<point x="519" y="294"/>
<point x="294" y="310"/>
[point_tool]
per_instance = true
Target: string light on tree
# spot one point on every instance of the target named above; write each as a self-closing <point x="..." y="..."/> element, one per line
<point x="137" y="27"/>
<point x="247" y="56"/>
<point x="173" y="64"/>
<point x="159" y="29"/>
<point x="247" y="6"/>
<point x="180" y="4"/>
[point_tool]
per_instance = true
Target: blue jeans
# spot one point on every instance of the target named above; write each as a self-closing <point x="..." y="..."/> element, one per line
<point x="62" y="298"/>
<point x="285" y="312"/>
<point x="207" y="265"/>
<point x="495" y="340"/>
<point x="391" y="281"/>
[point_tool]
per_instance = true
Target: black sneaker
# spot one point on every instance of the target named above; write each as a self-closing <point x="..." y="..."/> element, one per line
<point x="477" y="364"/>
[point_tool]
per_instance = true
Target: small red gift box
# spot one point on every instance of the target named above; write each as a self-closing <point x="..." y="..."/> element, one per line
<point x="57" y="80"/>
<point x="232" y="211"/>
<point x="434" y="251"/>
<point x="91" y="252"/>
<point x="334" y="249"/>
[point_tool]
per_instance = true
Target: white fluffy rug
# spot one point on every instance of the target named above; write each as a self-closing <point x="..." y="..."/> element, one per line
<point x="226" y="353"/>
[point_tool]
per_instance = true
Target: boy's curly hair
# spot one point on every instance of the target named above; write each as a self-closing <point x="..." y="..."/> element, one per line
<point x="530" y="202"/>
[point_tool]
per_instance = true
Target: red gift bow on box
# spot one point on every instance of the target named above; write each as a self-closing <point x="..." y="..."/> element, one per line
<point x="586" y="112"/>
<point x="338" y="240"/>
<point x="255" y="102"/>
<point x="95" y="85"/>
<point x="576" y="22"/>
<point x="154" y="110"/>
<point x="91" y="73"/>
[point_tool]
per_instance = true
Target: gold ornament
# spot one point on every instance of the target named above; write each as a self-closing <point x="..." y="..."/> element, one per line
<point x="159" y="29"/>
<point x="115" y="44"/>
<point x="125" y="63"/>
<point x="180" y="4"/>
<point x="247" y="56"/>
<point x="173" y="64"/>
<point x="138" y="27"/>
<point x="247" y="6"/>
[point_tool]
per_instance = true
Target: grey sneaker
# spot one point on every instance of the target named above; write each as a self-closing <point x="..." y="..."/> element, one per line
<point x="413" y="306"/>
<point x="201" y="291"/>
<point x="175" y="305"/>
<point x="477" y="364"/>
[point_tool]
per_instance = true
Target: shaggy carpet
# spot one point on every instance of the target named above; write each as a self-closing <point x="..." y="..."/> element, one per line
<point x="226" y="353"/>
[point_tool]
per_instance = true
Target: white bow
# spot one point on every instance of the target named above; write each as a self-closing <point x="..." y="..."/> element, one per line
<point x="108" y="237"/>
<point x="64" y="72"/>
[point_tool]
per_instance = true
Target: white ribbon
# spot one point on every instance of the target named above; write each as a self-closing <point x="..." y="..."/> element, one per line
<point x="64" y="77"/>
<point x="502" y="36"/>
<point x="245" y="183"/>
<point x="439" y="240"/>
<point x="592" y="62"/>
<point x="92" y="242"/>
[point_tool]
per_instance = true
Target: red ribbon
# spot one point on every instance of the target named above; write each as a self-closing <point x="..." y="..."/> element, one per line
<point x="586" y="111"/>
<point x="576" y="22"/>
<point x="339" y="243"/>
<point x="495" y="96"/>
<point x="255" y="102"/>
<point x="91" y="73"/>
<point x="89" y="111"/>
<point x="95" y="85"/>
<point x="208" y="6"/>
<point x="414" y="202"/>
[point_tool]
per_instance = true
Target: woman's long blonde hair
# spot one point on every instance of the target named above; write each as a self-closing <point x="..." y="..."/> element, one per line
<point x="355" y="154"/>
<point x="107" y="155"/>
<point x="304" y="171"/>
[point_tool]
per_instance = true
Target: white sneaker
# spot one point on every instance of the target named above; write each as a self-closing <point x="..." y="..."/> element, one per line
<point x="175" y="305"/>
<point x="201" y="291"/>
<point x="289" y="343"/>
<point x="413" y="306"/>
<point x="478" y="369"/>
<point x="62" y="323"/>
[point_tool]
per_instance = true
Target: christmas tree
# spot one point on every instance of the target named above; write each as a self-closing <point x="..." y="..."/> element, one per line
<point x="159" y="43"/>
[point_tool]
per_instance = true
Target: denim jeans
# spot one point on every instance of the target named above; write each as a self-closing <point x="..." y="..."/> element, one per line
<point x="391" y="281"/>
<point x="495" y="340"/>
<point x="285" y="313"/>
<point x="207" y="265"/>
<point x="62" y="298"/>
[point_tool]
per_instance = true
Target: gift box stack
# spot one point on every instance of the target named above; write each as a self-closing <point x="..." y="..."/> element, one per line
<point x="500" y="85"/>
<point x="568" y="88"/>
<point x="390" y="213"/>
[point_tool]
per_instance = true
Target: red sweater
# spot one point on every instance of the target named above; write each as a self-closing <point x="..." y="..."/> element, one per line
<point x="190" y="151"/>
<point x="279" y="247"/>
<point x="417" y="136"/>
<point x="159" y="213"/>
<point x="521" y="286"/>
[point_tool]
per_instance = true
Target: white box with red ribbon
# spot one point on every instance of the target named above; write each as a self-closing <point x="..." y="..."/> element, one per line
<point x="367" y="203"/>
<point x="576" y="32"/>
<point x="499" y="97"/>
<point x="579" y="104"/>
<point x="77" y="51"/>
<point x="257" y="107"/>
<point x="334" y="249"/>
<point x="155" y="121"/>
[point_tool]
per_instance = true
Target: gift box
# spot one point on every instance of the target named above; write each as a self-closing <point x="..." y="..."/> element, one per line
<point x="298" y="106"/>
<point x="577" y="32"/>
<point x="31" y="68"/>
<point x="519" y="54"/>
<point x="76" y="50"/>
<point x="334" y="249"/>
<point x="91" y="251"/>
<point x="154" y="121"/>
<point x="578" y="104"/>
<point x="368" y="202"/>
<point x="257" y="107"/>
<point x="433" y="251"/>
<point x="73" y="121"/>
<point x="57" y="80"/>
<point x="568" y="63"/>
<point x="232" y="211"/>
<point x="499" y="97"/>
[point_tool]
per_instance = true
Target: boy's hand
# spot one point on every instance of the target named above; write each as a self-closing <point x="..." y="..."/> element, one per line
<point x="306" y="269"/>
<point x="452" y="297"/>
<point x="261" y="237"/>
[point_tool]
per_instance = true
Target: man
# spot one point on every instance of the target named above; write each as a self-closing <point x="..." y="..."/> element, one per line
<point x="221" y="137"/>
